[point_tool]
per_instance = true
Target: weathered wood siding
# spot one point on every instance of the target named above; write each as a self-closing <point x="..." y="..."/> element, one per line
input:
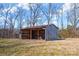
<point x="36" y="33"/>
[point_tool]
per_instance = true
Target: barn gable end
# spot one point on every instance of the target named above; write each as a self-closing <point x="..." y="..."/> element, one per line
<point x="51" y="32"/>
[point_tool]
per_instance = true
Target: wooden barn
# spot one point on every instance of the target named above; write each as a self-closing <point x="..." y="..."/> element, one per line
<point x="40" y="32"/>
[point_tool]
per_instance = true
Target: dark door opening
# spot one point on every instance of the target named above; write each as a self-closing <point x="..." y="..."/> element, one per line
<point x="38" y="34"/>
<point x="42" y="34"/>
<point x="34" y="34"/>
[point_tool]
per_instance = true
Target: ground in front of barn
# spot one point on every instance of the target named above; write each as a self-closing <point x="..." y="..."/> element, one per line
<point x="19" y="47"/>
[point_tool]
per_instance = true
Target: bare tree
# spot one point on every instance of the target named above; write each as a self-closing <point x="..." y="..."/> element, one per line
<point x="61" y="15"/>
<point x="20" y="19"/>
<point x="11" y="21"/>
<point x="49" y="13"/>
<point x="73" y="17"/>
<point x="5" y="15"/>
<point x="34" y="13"/>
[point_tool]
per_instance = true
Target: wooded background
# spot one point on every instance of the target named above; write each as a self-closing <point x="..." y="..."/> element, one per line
<point x="12" y="22"/>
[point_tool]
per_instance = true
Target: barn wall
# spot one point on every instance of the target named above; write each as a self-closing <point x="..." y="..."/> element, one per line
<point x="51" y="32"/>
<point x="36" y="33"/>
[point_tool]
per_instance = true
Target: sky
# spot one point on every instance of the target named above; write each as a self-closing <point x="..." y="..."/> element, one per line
<point x="25" y="8"/>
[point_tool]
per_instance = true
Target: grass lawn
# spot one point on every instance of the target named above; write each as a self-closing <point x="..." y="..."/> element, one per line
<point x="18" y="47"/>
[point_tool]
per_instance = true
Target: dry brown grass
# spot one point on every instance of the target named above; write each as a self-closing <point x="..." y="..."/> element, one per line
<point x="39" y="47"/>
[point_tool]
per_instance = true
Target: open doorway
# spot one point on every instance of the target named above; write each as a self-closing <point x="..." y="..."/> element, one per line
<point x="38" y="34"/>
<point x="34" y="34"/>
<point x="42" y="34"/>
